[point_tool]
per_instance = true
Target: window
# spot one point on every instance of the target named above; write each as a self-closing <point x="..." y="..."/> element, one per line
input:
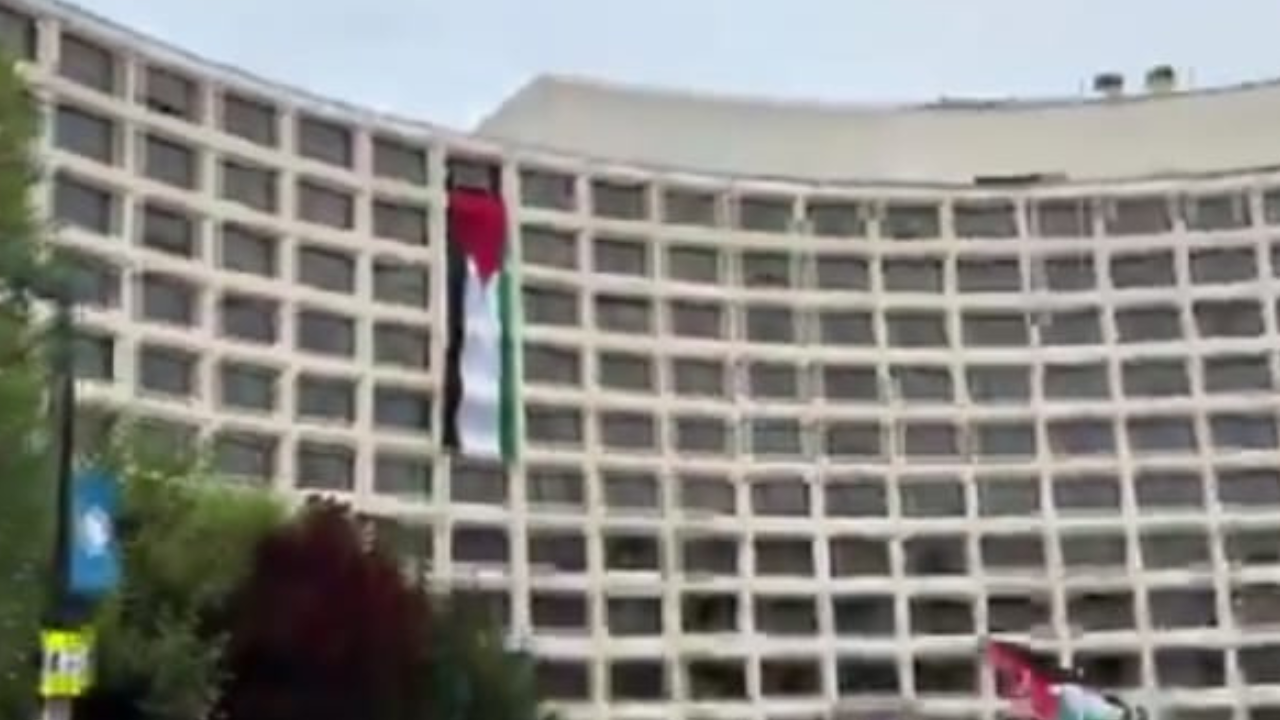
<point x="909" y="221"/>
<point x="1067" y="217"/>
<point x="87" y="63"/>
<point x="250" y="119"/>
<point x="763" y="269"/>
<point x="404" y="346"/>
<point x="988" y="275"/>
<point x="166" y="370"/>
<point x="169" y="300"/>
<point x="1139" y="215"/>
<point x="693" y="265"/>
<point x="550" y="306"/>
<point x="763" y="214"/>
<point x="630" y="490"/>
<point x="910" y="274"/>
<point x="624" y="314"/>
<point x="860" y="497"/>
<point x="770" y="324"/>
<point x="325" y="206"/>
<point x="1217" y="211"/>
<point x="698" y="377"/>
<point x="326" y="333"/>
<point x="94" y="281"/>
<point x="923" y="383"/>
<point x="399" y="408"/>
<point x="547" y="189"/>
<point x="689" y="207"/>
<point x="998" y="383"/>
<point x="701" y="434"/>
<point x="787" y="496"/>
<point x="1081" y="326"/>
<point x="326" y="269"/>
<point x="1223" y="265"/>
<point x="552" y="365"/>
<point x="557" y="486"/>
<point x="328" y="142"/>
<point x="168" y="93"/>
<point x="775" y="380"/>
<point x="397" y="283"/>
<point x="618" y="200"/>
<point x="86" y="134"/>
<point x="170" y="163"/>
<point x="846" y="327"/>
<point x="249" y="318"/>
<point x="18" y="34"/>
<point x="775" y="436"/>
<point x="624" y="430"/>
<point x="326" y="398"/>
<point x="473" y="173"/>
<point x="701" y="493"/>
<point x="1155" y="378"/>
<point x="548" y="247"/>
<point x="985" y="220"/>
<point x="625" y="371"/>
<point x="1008" y="496"/>
<point x="843" y="272"/>
<point x="248" y="250"/>
<point x="553" y="425"/>
<point x="323" y="466"/>
<point x="835" y="218"/>
<point x="1144" y="270"/>
<point x="95" y="356"/>
<point x="247" y="387"/>
<point x="1070" y="273"/>
<point x="398" y="160"/>
<point x="81" y="204"/>
<point x="844" y="382"/>
<point x="400" y="221"/>
<point x="1138" y="323"/>
<point x="913" y="329"/>
<point x="1237" y="373"/>
<point x="245" y="455"/>
<point x="1076" y="382"/>
<point x="169" y="231"/>
<point x="249" y="185"/>
<point x="620" y="256"/>
<point x="1228" y="318"/>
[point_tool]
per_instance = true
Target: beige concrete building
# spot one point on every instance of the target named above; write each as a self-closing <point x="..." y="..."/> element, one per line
<point x="814" y="396"/>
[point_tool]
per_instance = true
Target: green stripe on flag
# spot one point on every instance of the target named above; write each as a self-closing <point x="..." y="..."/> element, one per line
<point x="508" y="422"/>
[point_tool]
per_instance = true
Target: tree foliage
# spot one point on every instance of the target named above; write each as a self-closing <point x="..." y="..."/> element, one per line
<point x="187" y="545"/>
<point x="473" y="674"/>
<point x="325" y="628"/>
<point x="26" y="472"/>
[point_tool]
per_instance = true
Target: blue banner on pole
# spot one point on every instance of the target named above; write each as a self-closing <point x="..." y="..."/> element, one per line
<point x="93" y="568"/>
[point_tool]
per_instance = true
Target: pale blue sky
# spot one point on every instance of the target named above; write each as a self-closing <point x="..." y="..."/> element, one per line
<point x="452" y="61"/>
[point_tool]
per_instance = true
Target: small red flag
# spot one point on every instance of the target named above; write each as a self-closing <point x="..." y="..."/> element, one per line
<point x="1024" y="680"/>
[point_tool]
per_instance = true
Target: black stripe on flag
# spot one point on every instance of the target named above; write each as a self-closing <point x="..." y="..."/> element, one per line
<point x="455" y="311"/>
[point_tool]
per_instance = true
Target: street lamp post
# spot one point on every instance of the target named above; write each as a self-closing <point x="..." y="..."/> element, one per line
<point x="60" y="602"/>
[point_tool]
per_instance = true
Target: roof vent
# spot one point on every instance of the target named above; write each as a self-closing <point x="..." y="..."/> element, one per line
<point x="1109" y="84"/>
<point x="1162" y="79"/>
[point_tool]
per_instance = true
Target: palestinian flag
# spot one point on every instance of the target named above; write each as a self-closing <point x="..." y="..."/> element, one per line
<point x="1043" y="692"/>
<point x="480" y="406"/>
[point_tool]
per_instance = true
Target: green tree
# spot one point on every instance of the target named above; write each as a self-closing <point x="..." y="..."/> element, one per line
<point x="473" y="674"/>
<point x="187" y="544"/>
<point x="26" y="471"/>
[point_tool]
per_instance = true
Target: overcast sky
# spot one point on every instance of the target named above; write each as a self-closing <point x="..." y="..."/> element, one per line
<point x="453" y="61"/>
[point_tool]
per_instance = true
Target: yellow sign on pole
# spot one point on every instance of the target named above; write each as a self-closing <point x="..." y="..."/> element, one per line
<point x="67" y="669"/>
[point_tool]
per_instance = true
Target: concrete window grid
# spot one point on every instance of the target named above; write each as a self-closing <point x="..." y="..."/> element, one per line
<point x="1229" y="566"/>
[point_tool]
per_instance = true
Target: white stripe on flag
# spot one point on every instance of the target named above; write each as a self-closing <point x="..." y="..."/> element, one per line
<point x="479" y="420"/>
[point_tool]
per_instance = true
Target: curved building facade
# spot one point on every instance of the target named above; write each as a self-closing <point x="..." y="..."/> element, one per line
<point x="813" y="397"/>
